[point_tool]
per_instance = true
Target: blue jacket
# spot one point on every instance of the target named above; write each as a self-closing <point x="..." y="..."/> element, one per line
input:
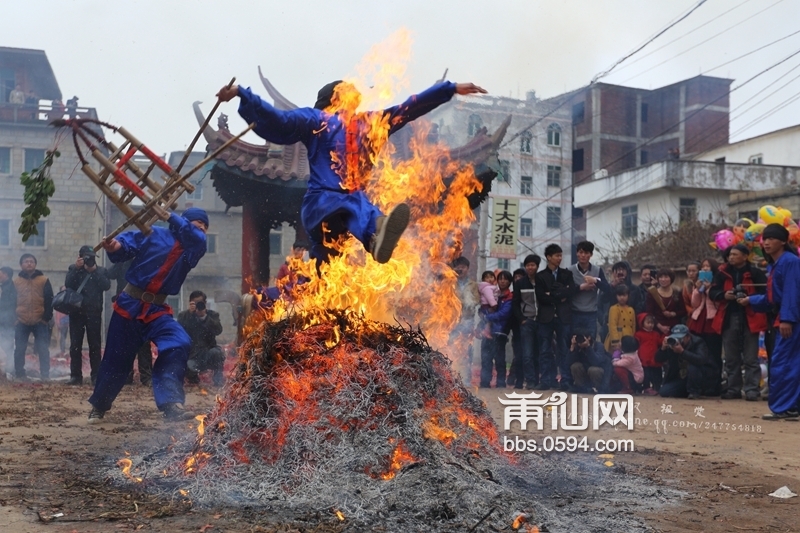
<point x="500" y="318"/>
<point x="161" y="262"/>
<point x="323" y="133"/>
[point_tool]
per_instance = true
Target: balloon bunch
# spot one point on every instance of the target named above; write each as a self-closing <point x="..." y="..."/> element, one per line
<point x="747" y="232"/>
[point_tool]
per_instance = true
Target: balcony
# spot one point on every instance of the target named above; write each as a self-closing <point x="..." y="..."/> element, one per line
<point x="42" y="114"/>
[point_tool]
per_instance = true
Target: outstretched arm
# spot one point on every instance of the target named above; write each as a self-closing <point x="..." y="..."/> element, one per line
<point x="274" y="125"/>
<point x="426" y="101"/>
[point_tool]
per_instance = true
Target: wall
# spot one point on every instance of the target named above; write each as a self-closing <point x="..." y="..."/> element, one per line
<point x="777" y="148"/>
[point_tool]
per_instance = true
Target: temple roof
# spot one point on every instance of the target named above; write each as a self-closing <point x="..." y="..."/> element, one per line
<point x="278" y="162"/>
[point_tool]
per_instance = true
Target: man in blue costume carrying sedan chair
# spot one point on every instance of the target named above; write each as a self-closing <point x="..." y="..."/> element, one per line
<point x="161" y="262"/>
<point x="328" y="129"/>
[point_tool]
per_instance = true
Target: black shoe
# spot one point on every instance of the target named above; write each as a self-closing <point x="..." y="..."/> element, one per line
<point x="752" y="396"/>
<point x="786" y="415"/>
<point x="500" y="385"/>
<point x="96" y="416"/>
<point x="693" y="396"/>
<point x="519" y="386"/>
<point x="730" y="395"/>
<point x="75" y="381"/>
<point x="542" y="386"/>
<point x="175" y="411"/>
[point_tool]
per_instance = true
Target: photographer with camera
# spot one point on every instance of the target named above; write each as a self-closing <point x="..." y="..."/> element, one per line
<point x="589" y="364"/>
<point x="203" y="325"/>
<point x="89" y="318"/>
<point x="688" y="370"/>
<point x="739" y="325"/>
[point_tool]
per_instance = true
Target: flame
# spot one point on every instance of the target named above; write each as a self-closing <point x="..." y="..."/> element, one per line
<point x="201" y="427"/>
<point x="400" y="458"/>
<point x="416" y="286"/>
<point x="125" y="465"/>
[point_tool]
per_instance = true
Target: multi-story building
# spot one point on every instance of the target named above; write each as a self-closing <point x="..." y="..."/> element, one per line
<point x="77" y="213"/>
<point x="535" y="169"/>
<point x="616" y="128"/>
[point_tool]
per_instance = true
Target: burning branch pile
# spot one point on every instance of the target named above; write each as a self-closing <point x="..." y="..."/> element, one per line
<point x="346" y="415"/>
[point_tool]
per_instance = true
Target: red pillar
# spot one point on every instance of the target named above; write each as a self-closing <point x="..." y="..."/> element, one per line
<point x="250" y="245"/>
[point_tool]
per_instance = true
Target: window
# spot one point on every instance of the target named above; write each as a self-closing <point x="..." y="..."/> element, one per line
<point x="37" y="241"/>
<point x="757" y="159"/>
<point x="525" y="227"/>
<point x="474" y="125"/>
<point x="505" y="171"/>
<point x="4" y="227"/>
<point x="33" y="158"/>
<point x="645" y="109"/>
<point x="554" y="135"/>
<point x="175" y="303"/>
<point x="525" y="142"/>
<point x="526" y="186"/>
<point x="553" y="176"/>
<point x="504" y="264"/>
<point x="645" y="157"/>
<point x="687" y="210"/>
<point x="5" y="160"/>
<point x="752" y="215"/>
<point x="630" y="221"/>
<point x="211" y="243"/>
<point x="198" y="192"/>
<point x="275" y="244"/>
<point x="578" y="112"/>
<point x="577" y="160"/>
<point x="553" y="217"/>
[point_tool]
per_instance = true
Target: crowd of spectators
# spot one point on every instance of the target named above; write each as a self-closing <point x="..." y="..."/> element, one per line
<point x="577" y="329"/>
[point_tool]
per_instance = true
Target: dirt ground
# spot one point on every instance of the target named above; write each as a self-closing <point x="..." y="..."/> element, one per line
<point x="718" y="457"/>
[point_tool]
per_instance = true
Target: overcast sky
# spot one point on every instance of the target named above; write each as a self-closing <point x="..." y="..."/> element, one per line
<point x="142" y="63"/>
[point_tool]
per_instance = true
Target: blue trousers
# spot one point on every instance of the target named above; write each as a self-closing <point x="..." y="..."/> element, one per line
<point x="553" y="359"/>
<point x="125" y="336"/>
<point x="530" y="354"/>
<point x="41" y="345"/>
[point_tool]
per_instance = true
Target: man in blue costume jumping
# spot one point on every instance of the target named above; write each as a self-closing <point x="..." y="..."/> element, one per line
<point x="337" y="143"/>
<point x="161" y="262"/>
<point x="783" y="298"/>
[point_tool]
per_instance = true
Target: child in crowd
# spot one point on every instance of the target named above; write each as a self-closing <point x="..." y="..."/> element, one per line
<point x="621" y="318"/>
<point x="488" y="291"/>
<point x="628" y="368"/>
<point x="650" y="340"/>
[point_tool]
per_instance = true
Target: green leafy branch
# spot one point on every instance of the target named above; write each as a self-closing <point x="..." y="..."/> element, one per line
<point x="39" y="187"/>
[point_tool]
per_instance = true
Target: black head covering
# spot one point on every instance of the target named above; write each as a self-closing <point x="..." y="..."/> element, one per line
<point x="776" y="231"/>
<point x="325" y="94"/>
<point x="741" y="247"/>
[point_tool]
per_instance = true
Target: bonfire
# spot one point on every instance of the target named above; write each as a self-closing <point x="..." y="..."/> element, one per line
<point x="345" y="399"/>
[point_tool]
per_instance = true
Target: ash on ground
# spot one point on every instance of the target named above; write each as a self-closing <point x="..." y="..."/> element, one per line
<point x="335" y="418"/>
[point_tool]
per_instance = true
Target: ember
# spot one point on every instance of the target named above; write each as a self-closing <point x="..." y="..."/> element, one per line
<point x="350" y="426"/>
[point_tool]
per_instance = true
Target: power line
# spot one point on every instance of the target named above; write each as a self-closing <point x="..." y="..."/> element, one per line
<point x="753" y="51"/>
<point x="701" y="43"/>
<point x="656" y="36"/>
<point x="648" y="54"/>
<point x="605" y="73"/>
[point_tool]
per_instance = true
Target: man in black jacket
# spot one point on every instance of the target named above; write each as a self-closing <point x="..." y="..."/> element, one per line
<point x="89" y="318"/>
<point x="689" y="372"/>
<point x="554" y="288"/>
<point x="8" y="317"/>
<point x="203" y="325"/>
<point x="524" y="309"/>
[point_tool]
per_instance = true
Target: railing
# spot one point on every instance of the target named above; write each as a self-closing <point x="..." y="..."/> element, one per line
<point x="41" y="113"/>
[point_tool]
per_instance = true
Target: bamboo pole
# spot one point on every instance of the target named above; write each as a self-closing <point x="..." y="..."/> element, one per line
<point x="201" y="130"/>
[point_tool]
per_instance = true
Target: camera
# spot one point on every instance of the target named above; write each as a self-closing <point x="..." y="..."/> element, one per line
<point x="200" y="306"/>
<point x="89" y="260"/>
<point x="672" y="341"/>
<point x="580" y="339"/>
<point x="739" y="292"/>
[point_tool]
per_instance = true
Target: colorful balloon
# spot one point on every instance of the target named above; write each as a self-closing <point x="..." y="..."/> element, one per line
<point x="754" y="232"/>
<point x="724" y="239"/>
<point x="770" y="214"/>
<point x="787" y="216"/>
<point x="741" y="225"/>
